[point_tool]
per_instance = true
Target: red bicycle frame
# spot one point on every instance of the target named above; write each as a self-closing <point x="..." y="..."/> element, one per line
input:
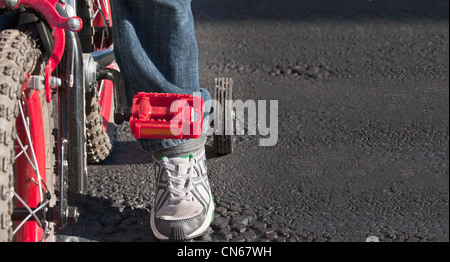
<point x="47" y="8"/>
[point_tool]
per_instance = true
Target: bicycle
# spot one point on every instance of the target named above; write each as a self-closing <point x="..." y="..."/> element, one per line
<point x="52" y="58"/>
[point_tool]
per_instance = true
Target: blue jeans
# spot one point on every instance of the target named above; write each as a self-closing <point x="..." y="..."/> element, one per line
<point x="156" y="50"/>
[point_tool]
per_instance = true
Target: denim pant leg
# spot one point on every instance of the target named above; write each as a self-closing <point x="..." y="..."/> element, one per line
<point x="156" y="50"/>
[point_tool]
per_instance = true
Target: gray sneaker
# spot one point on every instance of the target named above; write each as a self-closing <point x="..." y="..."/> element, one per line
<point x="183" y="208"/>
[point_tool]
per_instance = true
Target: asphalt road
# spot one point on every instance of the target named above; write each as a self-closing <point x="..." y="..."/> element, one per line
<point x="363" y="143"/>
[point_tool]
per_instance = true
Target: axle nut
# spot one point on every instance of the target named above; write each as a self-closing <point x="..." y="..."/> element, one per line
<point x="72" y="215"/>
<point x="12" y="3"/>
<point x="74" y="24"/>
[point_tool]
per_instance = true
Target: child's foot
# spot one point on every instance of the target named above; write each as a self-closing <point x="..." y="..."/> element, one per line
<point x="183" y="206"/>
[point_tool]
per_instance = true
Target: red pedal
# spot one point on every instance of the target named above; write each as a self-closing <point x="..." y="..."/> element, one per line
<point x="166" y="116"/>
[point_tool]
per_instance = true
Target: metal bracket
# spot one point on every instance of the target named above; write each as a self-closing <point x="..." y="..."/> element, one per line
<point x="38" y="82"/>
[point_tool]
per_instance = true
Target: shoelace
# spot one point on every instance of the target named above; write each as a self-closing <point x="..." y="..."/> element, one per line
<point x="179" y="184"/>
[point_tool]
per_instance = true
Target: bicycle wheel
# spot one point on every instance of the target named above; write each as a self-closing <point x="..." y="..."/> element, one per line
<point x="26" y="144"/>
<point x="95" y="35"/>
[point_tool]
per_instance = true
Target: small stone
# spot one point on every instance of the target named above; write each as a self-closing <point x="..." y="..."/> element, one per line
<point x="249" y="236"/>
<point x="219" y="223"/>
<point x="293" y="239"/>
<point x="260" y="226"/>
<point x="252" y="220"/>
<point x="412" y="239"/>
<point x="283" y="231"/>
<point x="72" y="239"/>
<point x="239" y="239"/>
<point x="320" y="239"/>
<point x="372" y="239"/>
<point x="240" y="220"/>
<point x="280" y="239"/>
<point x="220" y="210"/>
<point x="235" y="208"/>
<point x="249" y="213"/>
<point x="240" y="228"/>
<point x="224" y="234"/>
<point x="271" y="235"/>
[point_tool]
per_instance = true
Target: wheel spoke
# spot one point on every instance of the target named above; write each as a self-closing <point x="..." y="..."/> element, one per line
<point x="23" y="151"/>
<point x="31" y="159"/>
<point x="24" y="148"/>
<point x="27" y="131"/>
<point x="32" y="213"/>
<point x="105" y="4"/>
